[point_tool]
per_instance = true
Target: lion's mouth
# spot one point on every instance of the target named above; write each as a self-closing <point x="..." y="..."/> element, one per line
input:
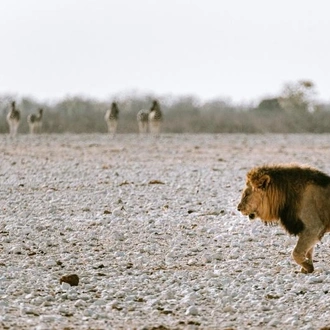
<point x="252" y="216"/>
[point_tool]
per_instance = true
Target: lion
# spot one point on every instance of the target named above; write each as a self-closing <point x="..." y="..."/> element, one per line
<point x="297" y="197"/>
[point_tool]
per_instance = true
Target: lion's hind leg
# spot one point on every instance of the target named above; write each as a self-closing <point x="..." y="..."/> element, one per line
<point x="303" y="251"/>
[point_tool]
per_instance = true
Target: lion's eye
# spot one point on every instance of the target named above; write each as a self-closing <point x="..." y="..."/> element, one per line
<point x="245" y="194"/>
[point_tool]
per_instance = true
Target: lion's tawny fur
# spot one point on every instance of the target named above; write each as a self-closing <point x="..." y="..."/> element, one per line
<point x="298" y="197"/>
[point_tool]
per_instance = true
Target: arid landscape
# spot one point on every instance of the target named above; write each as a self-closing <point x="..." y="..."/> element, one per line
<point x="150" y="227"/>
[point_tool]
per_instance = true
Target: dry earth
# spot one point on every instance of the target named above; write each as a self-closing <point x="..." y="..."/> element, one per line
<point x="150" y="227"/>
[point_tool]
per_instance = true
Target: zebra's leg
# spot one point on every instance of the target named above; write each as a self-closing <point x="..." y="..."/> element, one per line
<point x="155" y="127"/>
<point x="15" y="128"/>
<point x="32" y="128"/>
<point x="140" y="127"/>
<point x="113" y="126"/>
<point x="11" y="129"/>
<point x="143" y="127"/>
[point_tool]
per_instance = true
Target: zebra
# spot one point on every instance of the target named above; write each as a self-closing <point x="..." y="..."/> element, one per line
<point x="35" y="121"/>
<point x="111" y="118"/>
<point x="142" y="119"/>
<point x="13" y="119"/>
<point x="155" y="118"/>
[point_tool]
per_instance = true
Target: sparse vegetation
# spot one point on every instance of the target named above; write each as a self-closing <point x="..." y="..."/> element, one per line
<point x="294" y="111"/>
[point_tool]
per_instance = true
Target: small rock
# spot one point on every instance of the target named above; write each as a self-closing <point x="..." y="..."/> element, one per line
<point x="51" y="263"/>
<point x="191" y="262"/>
<point x="274" y="322"/>
<point x="118" y="211"/>
<point x="228" y="309"/>
<point x="72" y="279"/>
<point x="100" y="302"/>
<point x="79" y="303"/>
<point x="192" y="310"/>
<point x="42" y="327"/>
<point x="85" y="297"/>
<point x="315" y="279"/>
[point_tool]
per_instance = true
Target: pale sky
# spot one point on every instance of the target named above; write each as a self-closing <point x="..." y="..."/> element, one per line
<point x="240" y="50"/>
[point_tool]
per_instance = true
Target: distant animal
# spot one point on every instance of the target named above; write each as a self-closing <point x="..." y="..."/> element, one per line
<point x="142" y="118"/>
<point x="35" y="121"/>
<point x="13" y="119"/>
<point x="155" y="118"/>
<point x="111" y="118"/>
<point x="297" y="197"/>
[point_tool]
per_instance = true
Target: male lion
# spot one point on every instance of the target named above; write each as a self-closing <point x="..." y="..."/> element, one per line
<point x="297" y="197"/>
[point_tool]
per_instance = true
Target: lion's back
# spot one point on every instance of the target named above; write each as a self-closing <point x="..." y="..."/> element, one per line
<point x="294" y="175"/>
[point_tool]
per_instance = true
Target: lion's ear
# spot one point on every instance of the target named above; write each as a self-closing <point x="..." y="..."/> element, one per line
<point x="262" y="182"/>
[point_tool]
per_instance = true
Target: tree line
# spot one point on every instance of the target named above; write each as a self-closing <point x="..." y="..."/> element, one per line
<point x="295" y="110"/>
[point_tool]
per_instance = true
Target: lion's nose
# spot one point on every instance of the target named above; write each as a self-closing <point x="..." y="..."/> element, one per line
<point x="238" y="207"/>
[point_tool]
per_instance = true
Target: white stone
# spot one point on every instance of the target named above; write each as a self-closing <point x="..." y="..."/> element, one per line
<point x="65" y="286"/>
<point x="80" y="303"/>
<point x="100" y="302"/>
<point x="192" y="310"/>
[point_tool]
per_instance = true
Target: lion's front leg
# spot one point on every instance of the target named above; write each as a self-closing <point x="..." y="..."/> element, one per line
<point x="310" y="253"/>
<point x="303" y="252"/>
<point x="309" y="262"/>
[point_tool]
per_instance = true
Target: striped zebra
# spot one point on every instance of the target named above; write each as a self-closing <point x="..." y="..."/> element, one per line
<point x="35" y="121"/>
<point x="155" y="118"/>
<point x="142" y="119"/>
<point x="111" y="118"/>
<point x="13" y="119"/>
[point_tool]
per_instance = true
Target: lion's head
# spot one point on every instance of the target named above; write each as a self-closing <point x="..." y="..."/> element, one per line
<point x="254" y="197"/>
<point x="260" y="198"/>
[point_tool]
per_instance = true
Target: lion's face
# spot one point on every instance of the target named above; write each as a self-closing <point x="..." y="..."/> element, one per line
<point x="254" y="196"/>
<point x="251" y="201"/>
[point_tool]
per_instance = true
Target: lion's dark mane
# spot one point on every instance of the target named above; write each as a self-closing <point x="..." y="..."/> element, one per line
<point x="286" y="189"/>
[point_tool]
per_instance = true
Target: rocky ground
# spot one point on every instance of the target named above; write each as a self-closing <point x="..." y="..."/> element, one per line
<point x="150" y="227"/>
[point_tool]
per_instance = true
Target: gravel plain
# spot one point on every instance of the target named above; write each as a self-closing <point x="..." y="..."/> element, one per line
<point x="149" y="225"/>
